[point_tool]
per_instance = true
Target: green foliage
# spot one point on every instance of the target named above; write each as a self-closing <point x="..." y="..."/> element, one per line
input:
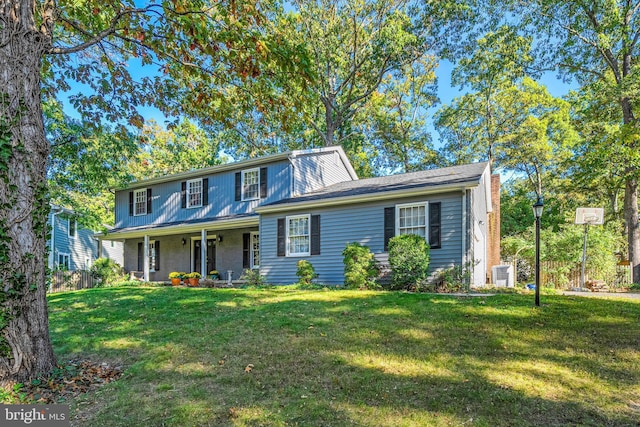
<point x="252" y="277"/>
<point x="409" y="261"/>
<point x="360" y="268"/>
<point x="193" y="275"/>
<point x="305" y="272"/>
<point x="453" y="279"/>
<point x="106" y="271"/>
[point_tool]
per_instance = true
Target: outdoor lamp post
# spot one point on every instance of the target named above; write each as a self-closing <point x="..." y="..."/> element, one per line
<point x="537" y="212"/>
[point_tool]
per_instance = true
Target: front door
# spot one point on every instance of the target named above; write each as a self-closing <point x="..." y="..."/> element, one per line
<point x="211" y="255"/>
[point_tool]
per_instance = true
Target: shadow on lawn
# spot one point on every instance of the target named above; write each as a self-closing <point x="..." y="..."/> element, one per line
<point x="339" y="358"/>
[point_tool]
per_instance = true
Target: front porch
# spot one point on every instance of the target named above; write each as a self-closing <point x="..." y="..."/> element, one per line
<point x="230" y="247"/>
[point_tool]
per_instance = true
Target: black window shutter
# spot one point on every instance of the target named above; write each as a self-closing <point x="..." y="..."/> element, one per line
<point x="140" y="257"/>
<point x="183" y="192"/>
<point x="315" y="234"/>
<point x="205" y="191"/>
<point x="156" y="247"/>
<point x="130" y="203"/>
<point x="238" y="186"/>
<point x="435" y="225"/>
<point x="149" y="197"/>
<point x="246" y="246"/>
<point x="389" y="225"/>
<point x="263" y="183"/>
<point x="282" y="238"/>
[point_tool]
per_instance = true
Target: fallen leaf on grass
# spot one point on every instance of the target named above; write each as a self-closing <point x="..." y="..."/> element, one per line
<point x="249" y="368"/>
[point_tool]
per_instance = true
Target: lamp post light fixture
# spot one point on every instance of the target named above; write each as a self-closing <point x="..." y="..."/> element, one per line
<point x="538" y="206"/>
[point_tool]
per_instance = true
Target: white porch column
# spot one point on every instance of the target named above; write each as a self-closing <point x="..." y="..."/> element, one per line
<point x="145" y="258"/>
<point x="203" y="253"/>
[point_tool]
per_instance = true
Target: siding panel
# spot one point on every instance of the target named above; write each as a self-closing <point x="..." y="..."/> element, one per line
<point x="166" y="203"/>
<point x="363" y="223"/>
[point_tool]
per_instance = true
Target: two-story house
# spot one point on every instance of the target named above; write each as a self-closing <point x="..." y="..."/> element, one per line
<point x="268" y="213"/>
<point x="74" y="247"/>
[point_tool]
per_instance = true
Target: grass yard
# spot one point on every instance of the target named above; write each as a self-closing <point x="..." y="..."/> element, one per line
<point x="283" y="356"/>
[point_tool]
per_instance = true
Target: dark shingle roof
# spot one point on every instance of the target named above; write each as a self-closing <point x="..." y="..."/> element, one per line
<point x="464" y="174"/>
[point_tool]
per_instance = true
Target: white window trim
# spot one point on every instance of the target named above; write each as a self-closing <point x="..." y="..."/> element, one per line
<point x="426" y="216"/>
<point x="252" y="252"/>
<point x="242" y="185"/>
<point x="189" y="205"/>
<point x="75" y="228"/>
<point x="287" y="220"/>
<point x="59" y="264"/>
<point x="135" y="202"/>
<point x="152" y="259"/>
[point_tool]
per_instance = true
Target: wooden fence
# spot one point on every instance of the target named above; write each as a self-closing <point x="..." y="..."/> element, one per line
<point x="71" y="281"/>
<point x="564" y="275"/>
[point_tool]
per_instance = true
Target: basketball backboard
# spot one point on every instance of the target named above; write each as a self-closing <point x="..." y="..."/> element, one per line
<point x="593" y="216"/>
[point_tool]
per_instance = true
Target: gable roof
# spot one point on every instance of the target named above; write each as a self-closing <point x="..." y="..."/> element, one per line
<point x="243" y="164"/>
<point x="406" y="184"/>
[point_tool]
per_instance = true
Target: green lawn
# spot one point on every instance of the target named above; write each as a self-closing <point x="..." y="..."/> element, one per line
<point x="351" y="358"/>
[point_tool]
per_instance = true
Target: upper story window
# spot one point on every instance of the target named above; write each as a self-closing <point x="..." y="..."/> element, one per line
<point x="194" y="193"/>
<point x="73" y="228"/>
<point x="140" y="202"/>
<point x="251" y="184"/>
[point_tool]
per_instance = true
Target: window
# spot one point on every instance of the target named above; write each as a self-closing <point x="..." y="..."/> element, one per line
<point x="423" y="219"/>
<point x="412" y="219"/>
<point x="153" y="253"/>
<point x="73" y="228"/>
<point x="251" y="184"/>
<point x="64" y="262"/>
<point x="255" y="250"/>
<point x="140" y="202"/>
<point x="194" y="193"/>
<point x="298" y="235"/>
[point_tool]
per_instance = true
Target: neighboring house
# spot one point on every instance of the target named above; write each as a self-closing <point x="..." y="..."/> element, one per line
<point x="73" y="247"/>
<point x="270" y="212"/>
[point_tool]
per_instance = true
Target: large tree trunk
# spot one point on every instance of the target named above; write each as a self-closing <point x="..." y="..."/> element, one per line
<point x="25" y="347"/>
<point x="632" y="226"/>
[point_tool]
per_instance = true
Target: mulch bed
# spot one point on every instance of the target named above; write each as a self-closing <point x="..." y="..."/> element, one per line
<point x="66" y="382"/>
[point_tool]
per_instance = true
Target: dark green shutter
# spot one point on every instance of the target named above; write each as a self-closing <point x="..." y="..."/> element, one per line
<point x="435" y="227"/>
<point x="238" y="186"/>
<point x="389" y="225"/>
<point x="246" y="250"/>
<point x="315" y="234"/>
<point x="282" y="238"/>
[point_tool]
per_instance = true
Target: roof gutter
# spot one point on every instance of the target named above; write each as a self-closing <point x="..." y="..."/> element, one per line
<point x="360" y="198"/>
<point x="178" y="229"/>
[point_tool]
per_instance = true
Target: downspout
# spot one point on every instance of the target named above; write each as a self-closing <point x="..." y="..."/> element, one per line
<point x="292" y="180"/>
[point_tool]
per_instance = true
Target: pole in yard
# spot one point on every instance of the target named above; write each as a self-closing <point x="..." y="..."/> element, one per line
<point x="584" y="255"/>
<point x="537" y="212"/>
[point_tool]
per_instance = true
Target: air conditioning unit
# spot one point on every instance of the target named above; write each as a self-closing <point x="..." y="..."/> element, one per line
<point x="502" y="276"/>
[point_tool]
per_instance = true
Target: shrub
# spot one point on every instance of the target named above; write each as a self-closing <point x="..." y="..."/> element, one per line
<point x="409" y="261"/>
<point x="360" y="268"/>
<point x="453" y="279"/>
<point x="106" y="271"/>
<point x="305" y="272"/>
<point x="252" y="277"/>
<point x="193" y="275"/>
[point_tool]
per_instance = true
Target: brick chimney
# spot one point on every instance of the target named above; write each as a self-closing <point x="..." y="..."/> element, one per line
<point x="493" y="243"/>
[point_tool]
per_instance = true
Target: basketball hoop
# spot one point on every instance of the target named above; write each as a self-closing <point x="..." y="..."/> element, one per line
<point x="591" y="216"/>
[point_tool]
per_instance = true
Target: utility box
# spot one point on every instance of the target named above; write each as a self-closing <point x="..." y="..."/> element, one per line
<point x="502" y="276"/>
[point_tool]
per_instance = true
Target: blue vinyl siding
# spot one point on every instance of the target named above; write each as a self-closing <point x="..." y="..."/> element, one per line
<point x="362" y="223"/>
<point x="167" y="198"/>
<point x="314" y="171"/>
<point x="82" y="249"/>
